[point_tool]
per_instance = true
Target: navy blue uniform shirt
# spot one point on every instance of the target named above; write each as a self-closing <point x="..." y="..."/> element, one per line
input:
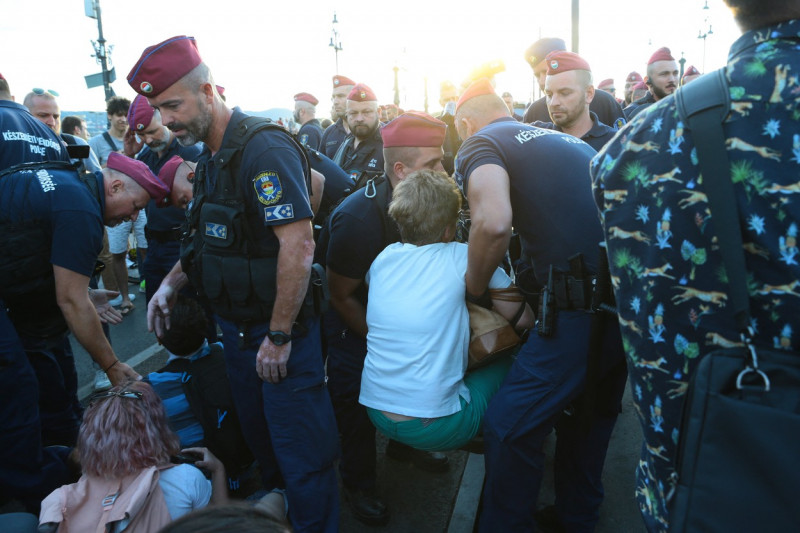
<point x="367" y="156"/>
<point x="551" y="193"/>
<point x="310" y="134"/>
<point x="25" y="138"/>
<point x="596" y="137"/>
<point x="166" y="218"/>
<point x="606" y="106"/>
<point x="332" y="138"/>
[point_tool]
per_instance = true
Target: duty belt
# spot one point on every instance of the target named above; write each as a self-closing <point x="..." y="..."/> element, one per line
<point x="573" y="293"/>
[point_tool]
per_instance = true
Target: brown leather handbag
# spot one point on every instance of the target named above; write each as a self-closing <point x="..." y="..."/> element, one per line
<point x="491" y="335"/>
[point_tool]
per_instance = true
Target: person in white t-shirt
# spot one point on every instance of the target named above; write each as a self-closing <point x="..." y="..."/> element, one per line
<point x="414" y="384"/>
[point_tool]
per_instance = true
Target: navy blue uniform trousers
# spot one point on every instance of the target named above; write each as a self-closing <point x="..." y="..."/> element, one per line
<point x="548" y="374"/>
<point x="289" y="426"/>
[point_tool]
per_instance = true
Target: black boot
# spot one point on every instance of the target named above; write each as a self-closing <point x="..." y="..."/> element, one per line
<point x="428" y="461"/>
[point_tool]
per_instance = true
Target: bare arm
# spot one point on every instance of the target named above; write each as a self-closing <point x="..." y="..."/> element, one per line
<point x="219" y="481"/>
<point x="508" y="310"/>
<point x="72" y="296"/>
<point x="343" y="291"/>
<point x="294" y="267"/>
<point x="162" y="301"/>
<point x="317" y="186"/>
<point x="490" y="211"/>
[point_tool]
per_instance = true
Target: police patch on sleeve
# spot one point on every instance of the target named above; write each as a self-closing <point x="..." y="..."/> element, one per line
<point x="303" y="139"/>
<point x="278" y="212"/>
<point x="268" y="188"/>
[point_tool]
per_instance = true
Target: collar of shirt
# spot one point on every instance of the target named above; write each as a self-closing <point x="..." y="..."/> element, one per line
<point x="203" y="351"/>
<point x="598" y="129"/>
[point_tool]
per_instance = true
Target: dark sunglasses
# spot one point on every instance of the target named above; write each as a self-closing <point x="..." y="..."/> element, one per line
<point x="133" y="395"/>
<point x="37" y="90"/>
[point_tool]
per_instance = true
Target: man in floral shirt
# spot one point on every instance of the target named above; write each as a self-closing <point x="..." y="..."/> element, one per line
<point x="671" y="286"/>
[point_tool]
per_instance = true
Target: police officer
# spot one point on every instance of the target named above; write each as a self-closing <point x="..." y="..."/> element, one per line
<point x="360" y="228"/>
<point x="536" y="180"/>
<point x="569" y="92"/>
<point x="250" y="255"/>
<point x="606" y="106"/>
<point x="336" y="133"/>
<point x="363" y="148"/>
<point x="662" y="80"/>
<point x="305" y="109"/>
<point x="163" y="228"/>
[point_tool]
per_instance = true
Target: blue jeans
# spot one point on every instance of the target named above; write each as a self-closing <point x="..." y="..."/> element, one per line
<point x="27" y="471"/>
<point x="289" y="426"/>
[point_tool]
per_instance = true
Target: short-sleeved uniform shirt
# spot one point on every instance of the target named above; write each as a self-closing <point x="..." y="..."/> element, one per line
<point x="332" y="138"/>
<point x="604" y="105"/>
<point x="368" y="155"/>
<point x="551" y="195"/>
<point x="102" y="149"/>
<point x="672" y="291"/>
<point x="337" y="182"/>
<point x="310" y="134"/>
<point x="639" y="105"/>
<point x="271" y="176"/>
<point x="25" y="138"/>
<point x="596" y="137"/>
<point x="166" y="218"/>
<point x="360" y="228"/>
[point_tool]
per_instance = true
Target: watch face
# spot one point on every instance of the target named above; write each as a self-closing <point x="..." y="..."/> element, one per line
<point x="279" y="338"/>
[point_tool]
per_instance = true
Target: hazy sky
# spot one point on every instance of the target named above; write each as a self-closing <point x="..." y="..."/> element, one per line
<point x="263" y="52"/>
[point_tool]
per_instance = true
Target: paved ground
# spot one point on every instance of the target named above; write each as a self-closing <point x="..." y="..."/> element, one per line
<point x="422" y="502"/>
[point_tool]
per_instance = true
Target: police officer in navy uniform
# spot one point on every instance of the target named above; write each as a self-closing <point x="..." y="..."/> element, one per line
<point x="362" y="150"/>
<point x="604" y="105"/>
<point x="662" y="80"/>
<point x="568" y="93"/>
<point x="46" y="261"/>
<point x="163" y="228"/>
<point x="250" y="255"/>
<point x="336" y="133"/>
<point x="305" y="109"/>
<point x="536" y="180"/>
<point x="359" y="229"/>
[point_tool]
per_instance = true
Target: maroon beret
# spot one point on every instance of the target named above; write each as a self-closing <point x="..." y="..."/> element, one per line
<point x="414" y="128"/>
<point x="167" y="174"/>
<point x="633" y="77"/>
<point x="2" y="77"/>
<point x="140" y="113"/>
<point x="338" y="81"/>
<point x="163" y="64"/>
<point x="479" y="88"/>
<point x="605" y="83"/>
<point x="641" y="86"/>
<point x="662" y="54"/>
<point x="691" y="71"/>
<point x="536" y="52"/>
<point x="563" y="61"/>
<point x="220" y="90"/>
<point x="306" y="97"/>
<point x="141" y="174"/>
<point x="362" y="93"/>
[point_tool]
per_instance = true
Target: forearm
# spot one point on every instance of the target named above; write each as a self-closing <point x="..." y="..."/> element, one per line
<point x="294" y="268"/>
<point x="487" y="246"/>
<point x="176" y="279"/>
<point x="352" y="312"/>
<point x="219" y="487"/>
<point x="84" y="323"/>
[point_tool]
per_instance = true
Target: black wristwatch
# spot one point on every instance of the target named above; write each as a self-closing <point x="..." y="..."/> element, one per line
<point x="279" y="338"/>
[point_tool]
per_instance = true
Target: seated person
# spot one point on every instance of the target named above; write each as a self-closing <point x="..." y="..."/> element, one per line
<point x="414" y="384"/>
<point x="196" y="392"/>
<point x="125" y="449"/>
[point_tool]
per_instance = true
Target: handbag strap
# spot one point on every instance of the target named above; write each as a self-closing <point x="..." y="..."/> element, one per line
<point x="703" y="105"/>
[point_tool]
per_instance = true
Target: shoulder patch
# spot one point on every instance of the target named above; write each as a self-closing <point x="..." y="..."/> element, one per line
<point x="278" y="212"/>
<point x="303" y="139"/>
<point x="619" y="123"/>
<point x="268" y="187"/>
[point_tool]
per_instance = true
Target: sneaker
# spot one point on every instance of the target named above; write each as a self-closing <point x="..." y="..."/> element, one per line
<point x="141" y="287"/>
<point x="101" y="381"/>
<point x="114" y="302"/>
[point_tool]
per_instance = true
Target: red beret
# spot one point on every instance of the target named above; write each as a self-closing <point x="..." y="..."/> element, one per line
<point x="662" y="54"/>
<point x="220" y="90"/>
<point x="691" y="71"/>
<point x="2" y="77"/>
<point x="414" y="128"/>
<point x="563" y="61"/>
<point x="641" y="86"/>
<point x="479" y="88"/>
<point x="338" y="81"/>
<point x="536" y="52"/>
<point x="306" y="97"/>
<point x="163" y="64"/>
<point x="167" y="173"/>
<point x="140" y="114"/>
<point x="362" y="93"/>
<point x="633" y="77"/>
<point x="141" y="174"/>
<point x="605" y="83"/>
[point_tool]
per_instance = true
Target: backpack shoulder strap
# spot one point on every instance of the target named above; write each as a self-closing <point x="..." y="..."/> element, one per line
<point x="110" y="141"/>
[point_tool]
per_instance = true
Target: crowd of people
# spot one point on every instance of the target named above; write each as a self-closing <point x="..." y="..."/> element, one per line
<point x="311" y="288"/>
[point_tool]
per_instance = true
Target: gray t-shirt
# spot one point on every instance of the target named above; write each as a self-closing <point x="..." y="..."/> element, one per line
<point x="101" y="148"/>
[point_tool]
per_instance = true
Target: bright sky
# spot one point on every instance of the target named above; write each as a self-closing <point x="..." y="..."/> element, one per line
<point x="263" y="52"/>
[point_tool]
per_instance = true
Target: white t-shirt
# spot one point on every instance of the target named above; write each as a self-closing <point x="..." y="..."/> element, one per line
<point x="418" y="330"/>
<point x="185" y="489"/>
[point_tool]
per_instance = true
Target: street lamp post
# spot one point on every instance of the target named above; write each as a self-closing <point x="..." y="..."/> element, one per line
<point x="335" y="43"/>
<point x="704" y="34"/>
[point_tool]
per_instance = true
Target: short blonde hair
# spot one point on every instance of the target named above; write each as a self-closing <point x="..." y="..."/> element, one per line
<point x="424" y="205"/>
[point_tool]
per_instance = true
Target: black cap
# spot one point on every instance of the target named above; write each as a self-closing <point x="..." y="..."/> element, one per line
<point x="536" y="52"/>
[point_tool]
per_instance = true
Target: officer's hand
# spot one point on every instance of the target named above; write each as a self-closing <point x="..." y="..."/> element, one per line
<point x="130" y="144"/>
<point x="271" y="361"/>
<point x="158" y="309"/>
<point x="120" y="372"/>
<point x="107" y="314"/>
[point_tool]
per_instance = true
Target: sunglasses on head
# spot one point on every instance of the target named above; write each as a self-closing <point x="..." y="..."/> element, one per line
<point x="38" y="90"/>
<point x="133" y="395"/>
